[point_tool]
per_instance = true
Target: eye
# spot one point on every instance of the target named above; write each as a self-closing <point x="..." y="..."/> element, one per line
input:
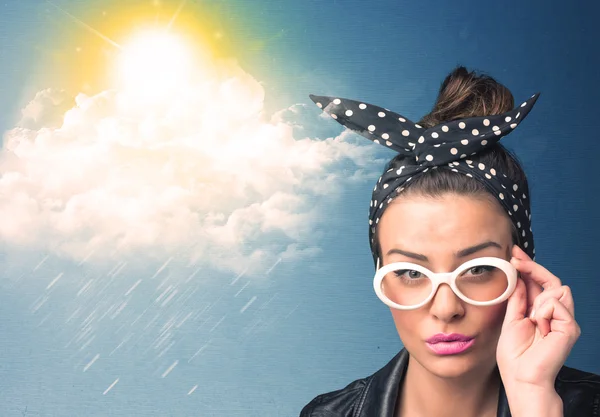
<point x="478" y="270"/>
<point x="408" y="273"/>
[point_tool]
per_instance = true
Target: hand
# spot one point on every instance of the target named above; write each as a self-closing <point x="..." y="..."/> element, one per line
<point x="539" y="328"/>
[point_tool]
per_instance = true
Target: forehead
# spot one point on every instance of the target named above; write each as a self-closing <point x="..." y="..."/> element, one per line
<point x="442" y="224"/>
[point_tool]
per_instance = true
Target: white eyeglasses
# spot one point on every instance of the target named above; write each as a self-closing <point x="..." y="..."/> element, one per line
<point x="481" y="282"/>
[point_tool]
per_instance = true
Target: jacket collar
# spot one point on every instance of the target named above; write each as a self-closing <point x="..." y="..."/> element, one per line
<point x="381" y="392"/>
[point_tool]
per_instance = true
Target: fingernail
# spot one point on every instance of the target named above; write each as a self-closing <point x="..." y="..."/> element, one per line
<point x="532" y="314"/>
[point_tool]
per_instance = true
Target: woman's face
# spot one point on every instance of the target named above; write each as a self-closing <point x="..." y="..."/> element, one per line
<point x="436" y="229"/>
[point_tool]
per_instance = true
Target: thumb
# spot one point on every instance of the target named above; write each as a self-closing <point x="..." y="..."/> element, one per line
<point x="516" y="308"/>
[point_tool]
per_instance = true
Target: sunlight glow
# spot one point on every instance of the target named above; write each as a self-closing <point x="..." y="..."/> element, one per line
<point x="155" y="65"/>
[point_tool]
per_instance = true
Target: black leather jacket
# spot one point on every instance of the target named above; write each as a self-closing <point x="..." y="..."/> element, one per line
<point x="375" y="396"/>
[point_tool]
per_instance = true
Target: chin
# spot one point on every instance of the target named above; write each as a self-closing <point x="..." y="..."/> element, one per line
<point x="451" y="366"/>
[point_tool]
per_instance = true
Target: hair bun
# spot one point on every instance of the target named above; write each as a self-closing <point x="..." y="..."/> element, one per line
<point x="468" y="94"/>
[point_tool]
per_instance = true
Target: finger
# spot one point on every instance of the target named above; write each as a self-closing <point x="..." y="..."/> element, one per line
<point x="519" y="253"/>
<point x="553" y="316"/>
<point x="533" y="288"/>
<point x="516" y="307"/>
<point x="533" y="271"/>
<point x="533" y="292"/>
<point x="562" y="294"/>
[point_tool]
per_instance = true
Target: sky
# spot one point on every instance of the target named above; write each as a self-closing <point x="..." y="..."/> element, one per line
<point x="183" y="233"/>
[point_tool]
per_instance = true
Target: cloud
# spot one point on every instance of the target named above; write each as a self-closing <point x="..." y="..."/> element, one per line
<point x="204" y="174"/>
<point x="45" y="110"/>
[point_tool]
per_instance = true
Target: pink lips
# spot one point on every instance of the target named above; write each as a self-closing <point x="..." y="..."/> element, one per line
<point x="449" y="344"/>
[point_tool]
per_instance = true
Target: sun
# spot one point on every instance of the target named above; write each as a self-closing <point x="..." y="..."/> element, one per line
<point x="155" y="64"/>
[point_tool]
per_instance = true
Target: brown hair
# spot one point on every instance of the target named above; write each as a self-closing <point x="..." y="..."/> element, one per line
<point x="465" y="94"/>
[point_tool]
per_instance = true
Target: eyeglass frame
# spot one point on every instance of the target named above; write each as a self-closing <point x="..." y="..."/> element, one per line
<point x="448" y="278"/>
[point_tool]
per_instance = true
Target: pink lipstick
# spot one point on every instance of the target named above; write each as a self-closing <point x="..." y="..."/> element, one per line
<point x="449" y="344"/>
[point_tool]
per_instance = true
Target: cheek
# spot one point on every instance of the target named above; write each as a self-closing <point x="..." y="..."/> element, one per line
<point x="487" y="320"/>
<point x="408" y="323"/>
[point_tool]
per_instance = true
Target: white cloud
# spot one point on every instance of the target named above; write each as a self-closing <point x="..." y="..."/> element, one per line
<point x="45" y="110"/>
<point x="203" y="173"/>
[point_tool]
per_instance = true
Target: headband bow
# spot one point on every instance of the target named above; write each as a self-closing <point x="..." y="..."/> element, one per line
<point x="448" y="144"/>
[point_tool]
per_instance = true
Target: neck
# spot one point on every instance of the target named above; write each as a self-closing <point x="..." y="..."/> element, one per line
<point x="424" y="394"/>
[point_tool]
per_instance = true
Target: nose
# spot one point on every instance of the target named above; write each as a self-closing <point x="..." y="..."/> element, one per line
<point x="445" y="305"/>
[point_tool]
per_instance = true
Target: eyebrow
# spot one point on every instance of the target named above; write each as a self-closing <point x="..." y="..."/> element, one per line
<point x="460" y="254"/>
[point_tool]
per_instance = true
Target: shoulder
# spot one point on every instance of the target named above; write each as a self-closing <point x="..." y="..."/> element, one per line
<point x="373" y="395"/>
<point x="339" y="403"/>
<point x="579" y="391"/>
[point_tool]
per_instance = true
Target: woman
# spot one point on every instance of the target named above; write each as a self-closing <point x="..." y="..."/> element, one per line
<point x="486" y="330"/>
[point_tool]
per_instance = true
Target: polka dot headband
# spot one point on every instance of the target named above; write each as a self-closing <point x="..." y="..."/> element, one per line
<point x="447" y="145"/>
